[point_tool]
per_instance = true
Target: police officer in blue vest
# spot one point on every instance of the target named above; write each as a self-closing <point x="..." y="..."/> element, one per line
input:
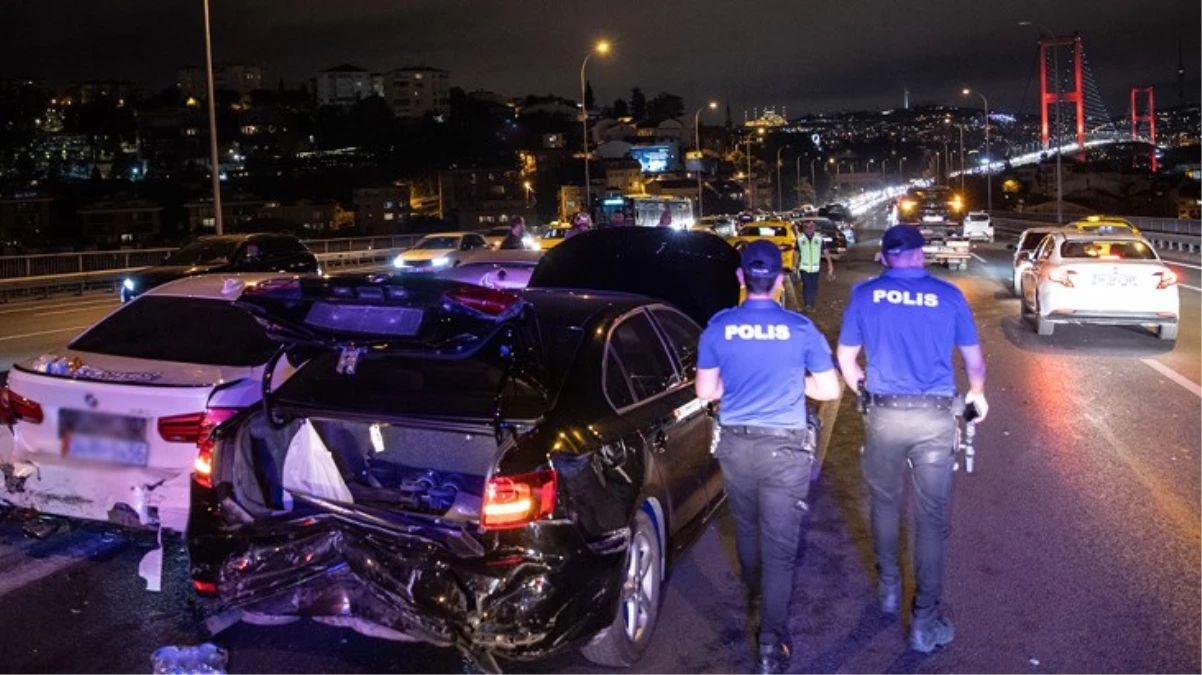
<point x="908" y="322"/>
<point x="755" y="358"/>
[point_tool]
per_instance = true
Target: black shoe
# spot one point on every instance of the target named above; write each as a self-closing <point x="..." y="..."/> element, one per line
<point x="889" y="596"/>
<point x="926" y="635"/>
<point x="774" y="659"/>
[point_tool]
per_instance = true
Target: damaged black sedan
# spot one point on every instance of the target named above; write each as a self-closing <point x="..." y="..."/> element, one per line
<point x="504" y="473"/>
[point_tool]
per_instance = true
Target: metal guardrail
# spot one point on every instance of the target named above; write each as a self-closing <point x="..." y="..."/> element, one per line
<point x="78" y="282"/>
<point x="1145" y="224"/>
<point x="49" y="264"/>
<point x="1161" y="241"/>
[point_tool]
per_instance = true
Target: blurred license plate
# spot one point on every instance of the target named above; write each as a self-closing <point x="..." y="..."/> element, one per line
<point x="932" y="219"/>
<point x="1113" y="280"/>
<point x="118" y="439"/>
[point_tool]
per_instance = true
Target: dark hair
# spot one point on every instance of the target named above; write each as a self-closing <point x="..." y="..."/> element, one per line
<point x="758" y="284"/>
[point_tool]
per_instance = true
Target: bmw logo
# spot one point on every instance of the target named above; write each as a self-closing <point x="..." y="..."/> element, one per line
<point x="90" y="399"/>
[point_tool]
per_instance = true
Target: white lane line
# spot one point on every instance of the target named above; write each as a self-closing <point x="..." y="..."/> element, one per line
<point x="1192" y="288"/>
<point x="35" y="569"/>
<point x="979" y="257"/>
<point x="1181" y="264"/>
<point x="71" y="311"/>
<point x="1173" y="375"/>
<point x="41" y="332"/>
<point x="35" y="307"/>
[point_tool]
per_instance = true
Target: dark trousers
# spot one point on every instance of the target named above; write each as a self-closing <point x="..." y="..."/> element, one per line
<point x="767" y="480"/>
<point x="924" y="440"/>
<point x="809" y="288"/>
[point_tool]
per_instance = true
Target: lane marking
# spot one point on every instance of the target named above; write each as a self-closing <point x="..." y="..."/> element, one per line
<point x="1192" y="288"/>
<point x="33" y="569"/>
<point x="1173" y="375"/>
<point x="1181" y="264"/>
<point x="35" y="307"/>
<point x="41" y="332"/>
<point x="70" y="311"/>
<point x="979" y="257"/>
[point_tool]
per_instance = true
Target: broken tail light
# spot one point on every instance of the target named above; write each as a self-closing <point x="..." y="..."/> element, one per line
<point x="16" y="408"/>
<point x="1167" y="278"/>
<point x="515" y="501"/>
<point x="484" y="300"/>
<point x="196" y="428"/>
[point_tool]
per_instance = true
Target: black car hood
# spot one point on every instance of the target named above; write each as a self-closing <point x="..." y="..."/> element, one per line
<point x="694" y="271"/>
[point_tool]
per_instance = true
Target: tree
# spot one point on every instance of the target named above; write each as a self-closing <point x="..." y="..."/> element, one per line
<point x="638" y="104"/>
<point x="588" y="96"/>
<point x="665" y="105"/>
<point x="621" y="109"/>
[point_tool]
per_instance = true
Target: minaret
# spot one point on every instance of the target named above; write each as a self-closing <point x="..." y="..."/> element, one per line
<point x="905" y="97"/>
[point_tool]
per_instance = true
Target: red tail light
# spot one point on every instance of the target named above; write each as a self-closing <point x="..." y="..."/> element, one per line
<point x="195" y="428"/>
<point x="786" y="247"/>
<point x="514" y="501"/>
<point x="16" y="408"/>
<point x="204" y="587"/>
<point x="484" y="300"/>
<point x="1167" y="278"/>
<point x="1062" y="276"/>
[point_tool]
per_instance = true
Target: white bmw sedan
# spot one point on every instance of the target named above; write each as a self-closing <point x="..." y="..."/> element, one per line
<point x="108" y="428"/>
<point x="1086" y="277"/>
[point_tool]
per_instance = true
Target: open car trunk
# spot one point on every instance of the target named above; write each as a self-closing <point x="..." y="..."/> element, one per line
<point x="418" y="468"/>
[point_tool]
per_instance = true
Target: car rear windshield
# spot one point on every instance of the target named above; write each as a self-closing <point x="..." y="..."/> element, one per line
<point x="764" y="232"/>
<point x="203" y="253"/>
<point x="1107" y="250"/>
<point x="184" y="330"/>
<point x="978" y="217"/>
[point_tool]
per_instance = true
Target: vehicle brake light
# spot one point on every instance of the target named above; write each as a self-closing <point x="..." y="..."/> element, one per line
<point x="786" y="247"/>
<point x="205" y="587"/>
<point x="1167" y="278"/>
<point x="196" y="428"/>
<point x="484" y="300"/>
<point x="17" y="408"/>
<point x="515" y="501"/>
<point x="1062" y="276"/>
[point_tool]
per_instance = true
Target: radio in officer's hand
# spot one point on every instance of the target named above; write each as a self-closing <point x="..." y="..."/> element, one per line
<point x="964" y="440"/>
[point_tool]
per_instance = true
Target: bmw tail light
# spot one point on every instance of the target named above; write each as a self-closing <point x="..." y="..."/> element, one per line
<point x="16" y="408"/>
<point x="515" y="501"/>
<point x="1062" y="276"/>
<point x="1167" y="278"/>
<point x="483" y="300"/>
<point x="196" y="428"/>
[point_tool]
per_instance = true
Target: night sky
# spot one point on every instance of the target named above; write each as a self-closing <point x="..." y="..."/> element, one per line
<point x="806" y="55"/>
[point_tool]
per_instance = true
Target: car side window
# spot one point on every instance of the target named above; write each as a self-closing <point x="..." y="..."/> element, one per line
<point x="617" y="387"/>
<point x="682" y="336"/>
<point x="642" y="353"/>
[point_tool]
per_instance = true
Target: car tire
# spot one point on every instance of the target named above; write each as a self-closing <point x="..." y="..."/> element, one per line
<point x="623" y="642"/>
<point x="1167" y="332"/>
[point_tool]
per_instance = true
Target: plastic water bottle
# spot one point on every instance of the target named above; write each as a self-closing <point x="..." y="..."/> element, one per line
<point x="203" y="659"/>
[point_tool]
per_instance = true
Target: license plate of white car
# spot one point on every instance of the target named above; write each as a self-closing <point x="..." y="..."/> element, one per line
<point x="932" y="219"/>
<point x="102" y="437"/>
<point x="1113" y="280"/>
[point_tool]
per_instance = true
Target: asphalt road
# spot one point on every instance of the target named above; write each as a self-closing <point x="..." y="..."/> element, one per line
<point x="1075" y="545"/>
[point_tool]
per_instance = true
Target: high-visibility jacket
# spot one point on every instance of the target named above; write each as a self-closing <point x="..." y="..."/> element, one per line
<point x="809" y="253"/>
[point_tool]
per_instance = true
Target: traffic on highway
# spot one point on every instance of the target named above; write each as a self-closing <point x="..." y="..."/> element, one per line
<point x="498" y="454"/>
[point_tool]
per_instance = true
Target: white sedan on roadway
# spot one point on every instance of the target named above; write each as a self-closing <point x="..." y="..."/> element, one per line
<point x="1114" y="279"/>
<point x="109" y="427"/>
<point x="978" y="225"/>
<point x="438" y="251"/>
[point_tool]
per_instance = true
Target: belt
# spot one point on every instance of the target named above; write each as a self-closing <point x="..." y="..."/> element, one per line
<point x="749" y="430"/>
<point x="912" y="401"/>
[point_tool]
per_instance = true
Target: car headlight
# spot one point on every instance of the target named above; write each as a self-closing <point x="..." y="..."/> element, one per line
<point x="398" y="262"/>
<point x="528" y="242"/>
<point x="129" y="284"/>
<point x="441" y="261"/>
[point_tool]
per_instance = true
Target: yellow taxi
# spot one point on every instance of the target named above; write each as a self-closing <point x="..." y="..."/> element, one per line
<point x="1105" y="225"/>
<point x="778" y="232"/>
<point x="553" y="235"/>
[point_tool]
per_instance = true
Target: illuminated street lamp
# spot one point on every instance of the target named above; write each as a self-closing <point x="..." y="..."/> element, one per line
<point x="779" y="193"/>
<point x="529" y="189"/>
<point x="988" y="158"/>
<point x="713" y="105"/>
<point x="1059" y="104"/>
<point x="215" y="167"/>
<point x="602" y="48"/>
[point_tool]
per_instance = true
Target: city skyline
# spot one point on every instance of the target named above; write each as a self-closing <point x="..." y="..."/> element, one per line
<point x="804" y="56"/>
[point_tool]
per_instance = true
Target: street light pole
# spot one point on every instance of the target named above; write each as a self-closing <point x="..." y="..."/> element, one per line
<point x="601" y="47"/>
<point x="215" y="166"/>
<point x="780" y="203"/>
<point x="1056" y="69"/>
<point x="713" y="105"/>
<point x="901" y="169"/>
<point x="988" y="157"/>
